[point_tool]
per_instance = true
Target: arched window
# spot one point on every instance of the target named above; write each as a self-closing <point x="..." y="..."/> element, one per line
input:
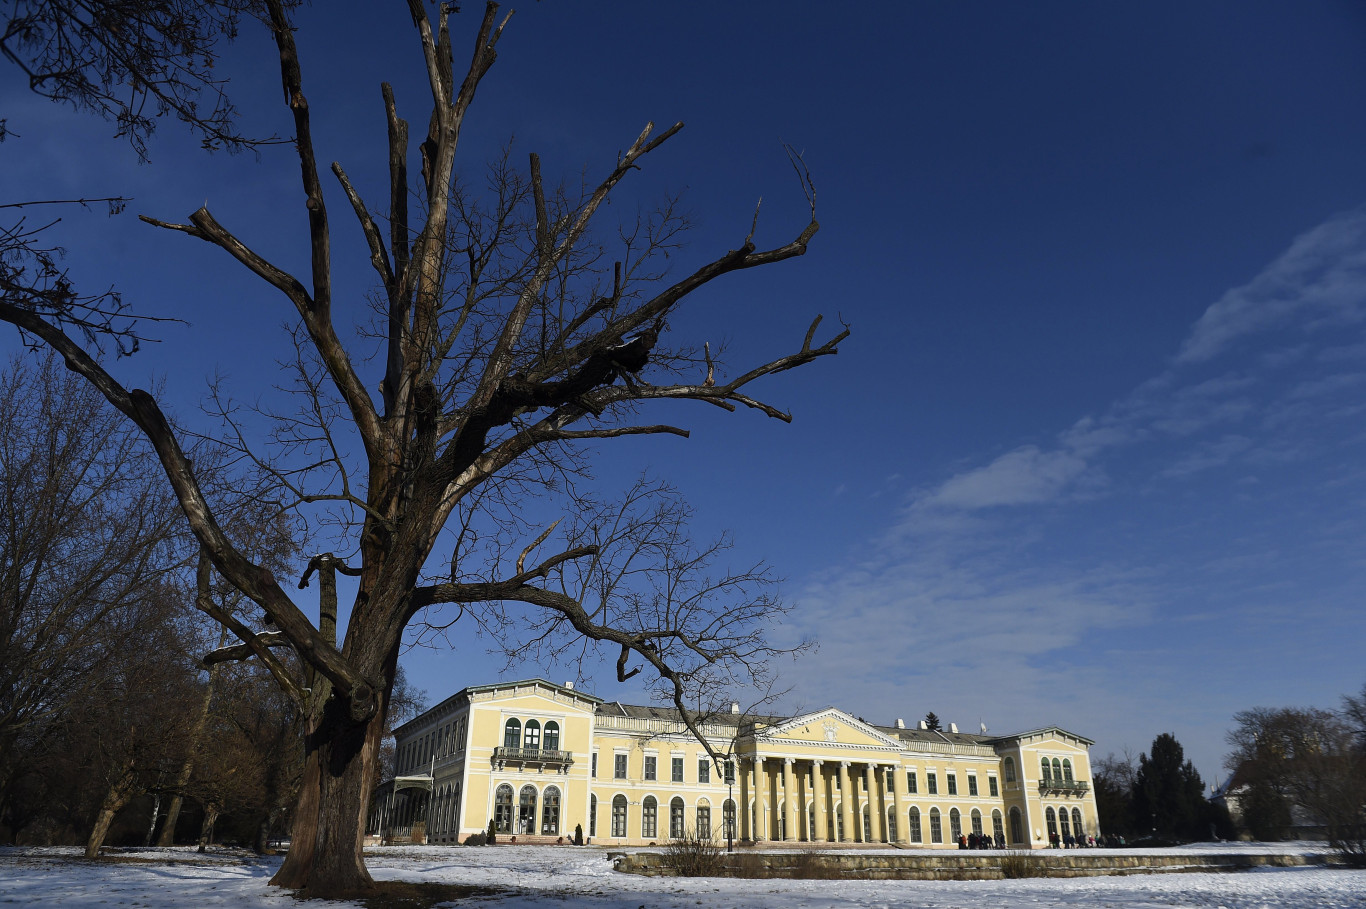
<point x="838" y="821"/>
<point x="533" y="735"/>
<point x="1064" y="824"/>
<point x="512" y="734"/>
<point x="811" y="822"/>
<point x="704" y="818"/>
<point x="552" y="736"/>
<point x="649" y="818"/>
<point x="728" y="817"/>
<point x="592" y="815"/>
<point x="915" y="825"/>
<point x="998" y="832"/>
<point x="955" y="824"/>
<point x="936" y="832"/>
<point x="455" y="809"/>
<point x="619" y="815"/>
<point x="867" y="825"/>
<point x="1066" y="769"/>
<point x="1046" y="768"/>
<point x="1057" y="769"/>
<point x="1051" y="816"/>
<point x="676" y="826"/>
<point x="891" y="825"/>
<point x="550" y="812"/>
<point x="1017" y="836"/>
<point x="1077" y="827"/>
<point x="526" y="810"/>
<point x="976" y="822"/>
<point x="1009" y="770"/>
<point x="502" y="809"/>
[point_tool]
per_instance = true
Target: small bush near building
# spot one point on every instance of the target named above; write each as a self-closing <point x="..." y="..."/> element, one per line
<point x="1021" y="864"/>
<point x="491" y="837"/>
<point x="477" y="839"/>
<point x="578" y="834"/>
<point x="694" y="854"/>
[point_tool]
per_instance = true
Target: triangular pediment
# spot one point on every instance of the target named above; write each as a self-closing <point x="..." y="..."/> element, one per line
<point x="829" y="726"/>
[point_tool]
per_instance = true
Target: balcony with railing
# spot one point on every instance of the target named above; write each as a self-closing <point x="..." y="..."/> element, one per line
<point x="532" y="757"/>
<point x="1066" y="787"/>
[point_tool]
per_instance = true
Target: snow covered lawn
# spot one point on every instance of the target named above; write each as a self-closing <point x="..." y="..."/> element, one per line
<point x="565" y="878"/>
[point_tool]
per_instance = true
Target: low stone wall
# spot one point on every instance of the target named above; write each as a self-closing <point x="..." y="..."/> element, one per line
<point x="955" y="866"/>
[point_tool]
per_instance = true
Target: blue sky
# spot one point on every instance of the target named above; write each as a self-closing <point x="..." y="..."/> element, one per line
<point x="1093" y="455"/>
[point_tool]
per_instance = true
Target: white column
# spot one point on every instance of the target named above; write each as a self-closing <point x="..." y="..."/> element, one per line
<point x="846" y="797"/>
<point x="821" y="833"/>
<point x="789" y="802"/>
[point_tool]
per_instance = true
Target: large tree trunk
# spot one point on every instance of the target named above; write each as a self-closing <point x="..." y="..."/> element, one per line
<point x="167" y="837"/>
<point x="325" y="852"/>
<point x="211" y="810"/>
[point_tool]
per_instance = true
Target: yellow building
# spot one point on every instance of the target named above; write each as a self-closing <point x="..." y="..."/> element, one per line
<point x="538" y="759"/>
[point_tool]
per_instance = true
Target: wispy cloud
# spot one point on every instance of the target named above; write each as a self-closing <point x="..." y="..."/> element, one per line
<point x="1024" y="476"/>
<point x="1041" y="582"/>
<point x="1318" y="281"/>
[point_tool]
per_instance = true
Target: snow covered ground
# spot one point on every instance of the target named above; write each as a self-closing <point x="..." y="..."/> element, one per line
<point x="569" y="878"/>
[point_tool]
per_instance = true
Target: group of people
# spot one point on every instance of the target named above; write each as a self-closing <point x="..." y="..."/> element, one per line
<point x="981" y="841"/>
<point x="1068" y="841"/>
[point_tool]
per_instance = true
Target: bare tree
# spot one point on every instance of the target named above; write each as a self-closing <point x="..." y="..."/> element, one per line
<point x="512" y="336"/>
<point x="86" y="535"/>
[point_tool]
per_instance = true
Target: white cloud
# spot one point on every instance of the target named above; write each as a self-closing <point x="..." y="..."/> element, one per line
<point x="1320" y="279"/>
<point x="1024" y="476"/>
<point x="1207" y="455"/>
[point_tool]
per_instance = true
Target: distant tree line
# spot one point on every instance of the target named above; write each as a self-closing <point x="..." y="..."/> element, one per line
<point x="1159" y="798"/>
<point x="1302" y="771"/>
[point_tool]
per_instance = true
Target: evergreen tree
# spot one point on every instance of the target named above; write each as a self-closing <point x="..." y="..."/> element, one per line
<point x="932" y="721"/>
<point x="1169" y="796"/>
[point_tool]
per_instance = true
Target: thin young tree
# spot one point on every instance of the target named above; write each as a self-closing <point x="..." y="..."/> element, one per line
<point x="511" y="338"/>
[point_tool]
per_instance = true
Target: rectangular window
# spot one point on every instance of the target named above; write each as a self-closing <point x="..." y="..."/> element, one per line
<point x="651" y="764"/>
<point x="730" y="772"/>
<point x="619" y="768"/>
<point x="890" y="785"/>
<point x="910" y="783"/>
<point x="594" y="770"/>
<point x="953" y="784"/>
<point x="992" y="787"/>
<point x="932" y="783"/>
<point x="678" y="770"/>
<point x="703" y="770"/>
<point x="972" y="785"/>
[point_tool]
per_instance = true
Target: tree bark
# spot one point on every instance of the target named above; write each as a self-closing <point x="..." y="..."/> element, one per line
<point x="118" y="794"/>
<point x="325" y="854"/>
<point x="206" y="828"/>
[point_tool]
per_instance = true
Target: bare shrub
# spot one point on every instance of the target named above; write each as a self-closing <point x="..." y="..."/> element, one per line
<point x="694" y="854"/>
<point x="1022" y="863"/>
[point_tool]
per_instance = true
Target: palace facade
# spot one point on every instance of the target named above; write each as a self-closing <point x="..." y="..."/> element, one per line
<point x="539" y="759"/>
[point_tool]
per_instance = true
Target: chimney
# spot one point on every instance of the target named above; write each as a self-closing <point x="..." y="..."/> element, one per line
<point x="900" y="723"/>
<point x="953" y="727"/>
<point x="734" y="706"/>
<point x="924" y="726"/>
<point x="569" y="684"/>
